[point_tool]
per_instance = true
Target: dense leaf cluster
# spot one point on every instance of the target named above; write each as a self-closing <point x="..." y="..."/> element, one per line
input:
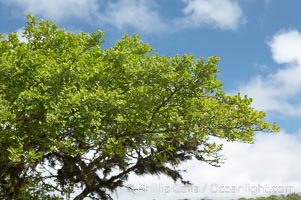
<point x="75" y="117"/>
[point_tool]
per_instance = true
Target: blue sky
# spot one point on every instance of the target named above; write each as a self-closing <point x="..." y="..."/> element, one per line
<point x="259" y="42"/>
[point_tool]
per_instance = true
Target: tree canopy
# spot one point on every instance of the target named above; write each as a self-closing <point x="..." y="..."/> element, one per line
<point x="78" y="117"/>
<point x="293" y="196"/>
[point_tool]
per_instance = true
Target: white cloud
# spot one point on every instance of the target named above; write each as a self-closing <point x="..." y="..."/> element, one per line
<point x="138" y="14"/>
<point x="57" y="9"/>
<point x="273" y="160"/>
<point x="281" y="90"/>
<point x="286" y="46"/>
<point x="142" y="15"/>
<point x="223" y="14"/>
<point x="20" y="35"/>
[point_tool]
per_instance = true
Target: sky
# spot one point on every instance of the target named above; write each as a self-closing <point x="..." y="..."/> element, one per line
<point x="259" y="43"/>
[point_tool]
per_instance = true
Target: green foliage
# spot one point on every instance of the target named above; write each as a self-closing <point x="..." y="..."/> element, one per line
<point x="293" y="196"/>
<point x="75" y="115"/>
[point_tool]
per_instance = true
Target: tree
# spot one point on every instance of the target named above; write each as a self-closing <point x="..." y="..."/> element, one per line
<point x="75" y="115"/>
<point x="293" y="196"/>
